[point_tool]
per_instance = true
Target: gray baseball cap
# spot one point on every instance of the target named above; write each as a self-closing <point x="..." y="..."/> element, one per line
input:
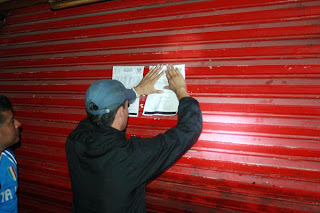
<point x="107" y="95"/>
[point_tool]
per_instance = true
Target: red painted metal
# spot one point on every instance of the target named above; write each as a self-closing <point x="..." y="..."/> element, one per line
<point x="253" y="65"/>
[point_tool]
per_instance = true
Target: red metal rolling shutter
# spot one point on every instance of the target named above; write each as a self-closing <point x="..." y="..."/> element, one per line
<point x="253" y="65"/>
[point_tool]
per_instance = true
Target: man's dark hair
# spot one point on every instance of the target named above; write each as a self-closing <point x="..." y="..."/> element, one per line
<point x="5" y="105"/>
<point x="105" y="119"/>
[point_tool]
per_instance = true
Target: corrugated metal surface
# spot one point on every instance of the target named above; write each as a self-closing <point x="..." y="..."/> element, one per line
<point x="254" y="66"/>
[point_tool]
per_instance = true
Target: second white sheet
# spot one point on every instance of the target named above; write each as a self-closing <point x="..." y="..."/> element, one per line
<point x="165" y="103"/>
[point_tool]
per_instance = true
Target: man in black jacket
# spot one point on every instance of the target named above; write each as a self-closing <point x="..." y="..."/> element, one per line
<point x="108" y="172"/>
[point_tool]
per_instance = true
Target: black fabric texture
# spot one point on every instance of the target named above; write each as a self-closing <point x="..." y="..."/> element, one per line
<point x="109" y="173"/>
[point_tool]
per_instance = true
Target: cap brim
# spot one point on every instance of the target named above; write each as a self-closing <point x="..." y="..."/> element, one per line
<point x="131" y="96"/>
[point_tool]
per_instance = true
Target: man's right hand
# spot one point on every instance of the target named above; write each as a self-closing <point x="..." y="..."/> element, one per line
<point x="176" y="82"/>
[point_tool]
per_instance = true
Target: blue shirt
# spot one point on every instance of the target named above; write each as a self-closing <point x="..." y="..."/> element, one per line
<point x="8" y="182"/>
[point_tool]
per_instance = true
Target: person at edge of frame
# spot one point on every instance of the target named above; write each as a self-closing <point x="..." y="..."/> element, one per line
<point x="9" y="137"/>
<point x="109" y="172"/>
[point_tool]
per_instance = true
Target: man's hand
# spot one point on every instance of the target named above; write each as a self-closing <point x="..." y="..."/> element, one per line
<point x="146" y="85"/>
<point x="176" y="82"/>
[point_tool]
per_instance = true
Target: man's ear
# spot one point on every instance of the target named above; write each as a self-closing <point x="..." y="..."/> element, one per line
<point x="118" y="118"/>
<point x="120" y="112"/>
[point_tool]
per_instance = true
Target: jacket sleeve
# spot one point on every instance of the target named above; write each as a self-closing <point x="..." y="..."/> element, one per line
<point x="154" y="155"/>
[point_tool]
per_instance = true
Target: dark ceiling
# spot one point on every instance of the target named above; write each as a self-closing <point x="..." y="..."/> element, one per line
<point x="15" y="4"/>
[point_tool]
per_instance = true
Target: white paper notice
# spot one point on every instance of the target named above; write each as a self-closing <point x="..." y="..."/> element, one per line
<point x="165" y="103"/>
<point x="129" y="76"/>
